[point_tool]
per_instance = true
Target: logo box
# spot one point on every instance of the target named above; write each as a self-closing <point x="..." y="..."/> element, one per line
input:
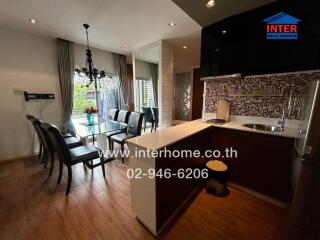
<point x="282" y="26"/>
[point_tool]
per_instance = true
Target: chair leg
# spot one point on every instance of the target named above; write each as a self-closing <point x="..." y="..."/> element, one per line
<point x="51" y="163"/>
<point x="109" y="143"/>
<point x="43" y="155"/>
<point x="102" y="166"/>
<point x="122" y="152"/>
<point x="40" y="152"/>
<point x="145" y="125"/>
<point x="46" y="158"/>
<point x="69" y="180"/>
<point x="60" y="171"/>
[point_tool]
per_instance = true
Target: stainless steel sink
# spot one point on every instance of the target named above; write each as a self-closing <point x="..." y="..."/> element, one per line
<point x="263" y="127"/>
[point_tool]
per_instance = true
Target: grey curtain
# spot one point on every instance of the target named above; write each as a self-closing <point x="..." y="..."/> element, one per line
<point x="120" y="63"/>
<point x="130" y="86"/>
<point x="154" y="77"/>
<point x="65" y="67"/>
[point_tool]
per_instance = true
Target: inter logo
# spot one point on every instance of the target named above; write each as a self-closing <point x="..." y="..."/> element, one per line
<point x="282" y="26"/>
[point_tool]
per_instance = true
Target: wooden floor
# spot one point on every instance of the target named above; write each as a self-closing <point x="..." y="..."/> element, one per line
<point x="33" y="207"/>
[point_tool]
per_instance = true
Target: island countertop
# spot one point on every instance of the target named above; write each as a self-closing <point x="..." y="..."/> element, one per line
<point x="165" y="137"/>
<point x="156" y="202"/>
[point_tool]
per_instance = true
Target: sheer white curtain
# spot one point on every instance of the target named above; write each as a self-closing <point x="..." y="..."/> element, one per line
<point x="109" y="96"/>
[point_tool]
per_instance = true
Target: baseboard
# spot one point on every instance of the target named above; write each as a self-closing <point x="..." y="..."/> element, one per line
<point x="24" y="157"/>
<point x="259" y="195"/>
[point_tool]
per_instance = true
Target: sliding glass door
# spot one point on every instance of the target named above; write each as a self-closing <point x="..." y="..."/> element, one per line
<point x="84" y="96"/>
<point x="109" y="96"/>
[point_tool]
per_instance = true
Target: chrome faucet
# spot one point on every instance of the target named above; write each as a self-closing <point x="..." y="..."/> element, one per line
<point x="282" y="121"/>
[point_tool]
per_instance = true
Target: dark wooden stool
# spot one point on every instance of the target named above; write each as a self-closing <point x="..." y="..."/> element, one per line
<point x="218" y="176"/>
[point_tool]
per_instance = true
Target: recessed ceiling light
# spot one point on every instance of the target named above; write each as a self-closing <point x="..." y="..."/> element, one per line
<point x="33" y="21"/>
<point x="172" y="24"/>
<point x="224" y="31"/>
<point x="184" y="47"/>
<point x="211" y="3"/>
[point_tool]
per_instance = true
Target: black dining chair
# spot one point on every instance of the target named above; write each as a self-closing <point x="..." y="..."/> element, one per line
<point x="148" y="117"/>
<point x="133" y="130"/>
<point x="155" y="111"/>
<point x="44" y="148"/>
<point x="49" y="149"/>
<point x="70" y="157"/>
<point x="30" y="118"/>
<point x="123" y="117"/>
<point x="113" y="114"/>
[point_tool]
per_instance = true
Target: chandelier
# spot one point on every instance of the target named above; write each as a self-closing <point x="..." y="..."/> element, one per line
<point x="88" y="73"/>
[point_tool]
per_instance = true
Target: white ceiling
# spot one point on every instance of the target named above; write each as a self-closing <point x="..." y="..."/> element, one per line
<point x="149" y="55"/>
<point x="198" y="10"/>
<point x="123" y="25"/>
<point x="114" y="23"/>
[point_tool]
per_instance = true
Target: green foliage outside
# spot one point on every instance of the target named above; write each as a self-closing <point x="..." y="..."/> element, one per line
<point x="81" y="100"/>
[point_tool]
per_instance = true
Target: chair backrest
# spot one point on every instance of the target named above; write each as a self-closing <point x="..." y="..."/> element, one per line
<point x="58" y="142"/>
<point x="35" y="123"/>
<point x="135" y="122"/>
<point x="156" y="114"/>
<point x="113" y="114"/>
<point x="123" y="116"/>
<point x="46" y="136"/>
<point x="148" y="117"/>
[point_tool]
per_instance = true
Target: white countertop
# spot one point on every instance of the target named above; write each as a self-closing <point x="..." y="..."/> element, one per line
<point x="289" y="132"/>
<point x="168" y="136"/>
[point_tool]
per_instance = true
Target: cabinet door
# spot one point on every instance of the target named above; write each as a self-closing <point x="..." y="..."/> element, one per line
<point x="263" y="162"/>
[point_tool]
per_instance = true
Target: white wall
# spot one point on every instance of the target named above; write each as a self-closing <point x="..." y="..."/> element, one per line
<point x="27" y="63"/>
<point x="142" y="70"/>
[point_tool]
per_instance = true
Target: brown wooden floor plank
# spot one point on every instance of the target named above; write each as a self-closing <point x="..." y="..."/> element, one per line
<point x="33" y="206"/>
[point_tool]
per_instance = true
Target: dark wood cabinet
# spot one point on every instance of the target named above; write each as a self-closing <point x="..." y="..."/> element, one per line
<point x="173" y="192"/>
<point x="239" y="44"/>
<point x="263" y="162"/>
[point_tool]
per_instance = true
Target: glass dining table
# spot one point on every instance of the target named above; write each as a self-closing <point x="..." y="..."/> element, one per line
<point x="96" y="133"/>
<point x="82" y="129"/>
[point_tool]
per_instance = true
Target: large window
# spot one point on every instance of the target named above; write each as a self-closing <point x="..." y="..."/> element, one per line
<point x="83" y="97"/>
<point x="145" y="93"/>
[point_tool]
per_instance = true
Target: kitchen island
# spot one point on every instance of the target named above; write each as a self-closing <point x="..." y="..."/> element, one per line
<point x="156" y="200"/>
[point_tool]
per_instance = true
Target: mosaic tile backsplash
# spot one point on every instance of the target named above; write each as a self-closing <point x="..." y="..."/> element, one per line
<point x="262" y="96"/>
